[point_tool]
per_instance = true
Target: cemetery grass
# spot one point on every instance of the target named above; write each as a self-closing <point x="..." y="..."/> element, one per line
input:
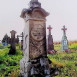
<point x="65" y="62"/>
<point x="9" y="64"/>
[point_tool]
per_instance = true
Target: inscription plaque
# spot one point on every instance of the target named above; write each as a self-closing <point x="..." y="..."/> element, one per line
<point x="37" y="40"/>
<point x="37" y="32"/>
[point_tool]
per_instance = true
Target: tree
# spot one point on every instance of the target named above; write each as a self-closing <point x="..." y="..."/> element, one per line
<point x="6" y="39"/>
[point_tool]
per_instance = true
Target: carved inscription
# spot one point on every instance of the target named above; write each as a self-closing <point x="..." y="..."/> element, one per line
<point x="37" y="32"/>
<point x="37" y="41"/>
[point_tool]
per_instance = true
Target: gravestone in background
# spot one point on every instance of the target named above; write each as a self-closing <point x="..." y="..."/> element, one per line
<point x="12" y="43"/>
<point x="35" y="60"/>
<point x="5" y="40"/>
<point x="64" y="42"/>
<point x="50" y="40"/>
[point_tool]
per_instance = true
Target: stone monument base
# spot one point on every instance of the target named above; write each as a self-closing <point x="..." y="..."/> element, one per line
<point x="40" y="67"/>
<point x="24" y="67"/>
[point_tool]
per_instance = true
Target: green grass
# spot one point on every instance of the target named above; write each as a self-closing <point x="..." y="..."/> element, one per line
<point x="9" y="63"/>
<point x="66" y="62"/>
<point x="73" y="46"/>
<point x="57" y="47"/>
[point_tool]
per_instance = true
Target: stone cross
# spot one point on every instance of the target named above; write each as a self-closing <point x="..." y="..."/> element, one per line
<point x="64" y="41"/>
<point x="13" y="47"/>
<point x="50" y="40"/>
<point x="13" y="34"/>
<point x="64" y="30"/>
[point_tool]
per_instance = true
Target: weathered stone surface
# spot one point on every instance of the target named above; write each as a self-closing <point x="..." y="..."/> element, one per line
<point x="37" y="39"/>
<point x="36" y="31"/>
<point x="24" y="67"/>
<point x="35" y="61"/>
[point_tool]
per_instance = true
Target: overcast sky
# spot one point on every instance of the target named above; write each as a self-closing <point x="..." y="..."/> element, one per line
<point x="62" y="12"/>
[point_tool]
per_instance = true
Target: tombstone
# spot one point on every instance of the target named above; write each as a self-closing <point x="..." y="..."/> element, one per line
<point x="64" y="42"/>
<point x="50" y="40"/>
<point x="35" y="61"/>
<point x="12" y="50"/>
<point x="50" y="43"/>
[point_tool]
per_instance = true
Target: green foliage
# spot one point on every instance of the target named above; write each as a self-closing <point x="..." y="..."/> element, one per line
<point x="1" y="47"/>
<point x="57" y="46"/>
<point x="14" y="73"/>
<point x="9" y="63"/>
<point x="66" y="62"/>
<point x="6" y="38"/>
<point x="73" y="46"/>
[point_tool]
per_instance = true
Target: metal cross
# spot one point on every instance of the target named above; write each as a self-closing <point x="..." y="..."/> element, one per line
<point x="21" y="35"/>
<point x="21" y="40"/>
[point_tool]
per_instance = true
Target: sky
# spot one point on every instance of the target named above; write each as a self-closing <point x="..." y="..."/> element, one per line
<point x="62" y="12"/>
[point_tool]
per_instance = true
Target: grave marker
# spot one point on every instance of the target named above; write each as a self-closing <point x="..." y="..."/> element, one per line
<point x="50" y="42"/>
<point x="35" y="61"/>
<point x="64" y="41"/>
<point x="50" y="39"/>
<point x="12" y="43"/>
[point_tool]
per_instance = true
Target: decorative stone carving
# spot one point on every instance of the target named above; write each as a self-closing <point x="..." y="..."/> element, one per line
<point x="34" y="3"/>
<point x="37" y="39"/>
<point x="37" y="32"/>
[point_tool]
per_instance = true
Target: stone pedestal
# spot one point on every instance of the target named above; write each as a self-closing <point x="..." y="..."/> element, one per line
<point x="24" y="67"/>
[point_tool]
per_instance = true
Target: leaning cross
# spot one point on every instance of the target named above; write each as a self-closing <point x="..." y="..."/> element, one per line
<point x="49" y="28"/>
<point x="64" y="29"/>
